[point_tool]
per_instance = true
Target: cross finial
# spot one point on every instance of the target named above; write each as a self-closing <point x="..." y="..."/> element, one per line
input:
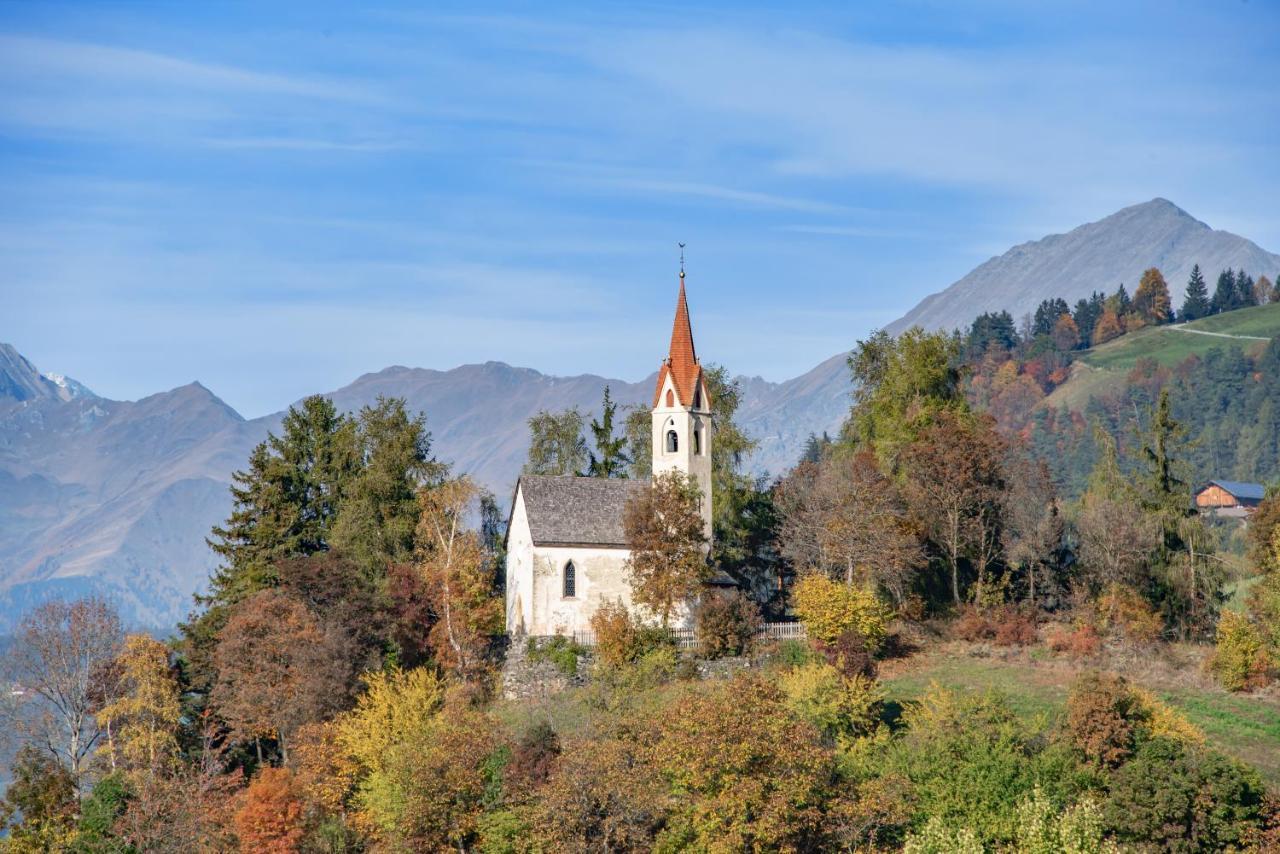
<point x="681" y="260"/>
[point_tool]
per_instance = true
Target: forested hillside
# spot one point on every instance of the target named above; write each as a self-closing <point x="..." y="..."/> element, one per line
<point x="348" y="684"/>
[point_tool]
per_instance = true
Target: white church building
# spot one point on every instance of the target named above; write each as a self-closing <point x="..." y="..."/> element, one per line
<point x="566" y="547"/>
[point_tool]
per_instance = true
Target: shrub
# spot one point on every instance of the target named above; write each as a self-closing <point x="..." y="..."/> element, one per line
<point x="972" y="625"/>
<point x="1081" y="641"/>
<point x="1015" y="627"/>
<point x="615" y="632"/>
<point x="849" y="654"/>
<point x="1044" y="828"/>
<point x="1124" y="610"/>
<point x="837" y="705"/>
<point x="1264" y="607"/>
<point x="793" y="653"/>
<point x="938" y="837"/>
<point x="559" y="650"/>
<point x="726" y="623"/>
<point x="1101" y="711"/>
<point x="830" y="609"/>
<point x="971" y="760"/>
<point x="532" y="758"/>
<point x="1164" y="721"/>
<point x="1175" y="797"/>
<point x="1239" y="658"/>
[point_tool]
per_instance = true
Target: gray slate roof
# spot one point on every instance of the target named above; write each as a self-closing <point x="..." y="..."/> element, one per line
<point x="1254" y="491"/>
<point x="577" y="511"/>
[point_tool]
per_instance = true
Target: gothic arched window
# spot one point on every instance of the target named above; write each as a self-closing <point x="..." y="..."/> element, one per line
<point x="697" y="397"/>
<point x="671" y="399"/>
<point x="673" y="442"/>
<point x="697" y="441"/>
<point x="570" y="580"/>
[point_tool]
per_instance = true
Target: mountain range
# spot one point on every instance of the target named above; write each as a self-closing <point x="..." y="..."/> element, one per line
<point x="1097" y="256"/>
<point x="116" y="497"/>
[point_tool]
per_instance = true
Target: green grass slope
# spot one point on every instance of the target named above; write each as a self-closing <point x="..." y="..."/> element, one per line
<point x="1104" y="366"/>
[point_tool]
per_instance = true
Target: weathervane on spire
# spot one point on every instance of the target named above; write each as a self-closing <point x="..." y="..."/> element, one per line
<point x="681" y="245"/>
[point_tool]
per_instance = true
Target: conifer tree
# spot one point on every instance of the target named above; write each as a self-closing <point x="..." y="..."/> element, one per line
<point x="612" y="460"/>
<point x="1224" y="295"/>
<point x="288" y="499"/>
<point x="1244" y="290"/>
<point x="379" y="513"/>
<point x="1196" y="304"/>
<point x="284" y="505"/>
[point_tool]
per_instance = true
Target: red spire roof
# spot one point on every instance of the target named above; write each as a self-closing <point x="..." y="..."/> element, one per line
<point x="682" y="362"/>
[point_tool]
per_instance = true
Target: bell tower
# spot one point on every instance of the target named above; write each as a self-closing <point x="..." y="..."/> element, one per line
<point x="682" y="429"/>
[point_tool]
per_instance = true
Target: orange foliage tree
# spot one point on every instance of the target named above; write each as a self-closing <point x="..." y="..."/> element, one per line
<point x="278" y="669"/>
<point x="270" y="818"/>
<point x="664" y="531"/>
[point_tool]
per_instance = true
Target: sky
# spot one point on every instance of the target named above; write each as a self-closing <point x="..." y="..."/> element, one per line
<point x="274" y="199"/>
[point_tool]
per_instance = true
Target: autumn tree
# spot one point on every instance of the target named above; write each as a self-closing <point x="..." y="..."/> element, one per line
<point x="142" y="719"/>
<point x="270" y="818"/>
<point x="556" y="446"/>
<point x="458" y="576"/>
<point x="901" y="385"/>
<point x="842" y="517"/>
<point x="62" y="652"/>
<point x="665" y="534"/>
<point x="1116" y="540"/>
<point x="1034" y="526"/>
<point x="609" y="459"/>
<point x="278" y="669"/>
<point x="1109" y="327"/>
<point x="39" y="807"/>
<point x="1151" y="301"/>
<point x="954" y="485"/>
<point x="1065" y="334"/>
<point x="751" y="776"/>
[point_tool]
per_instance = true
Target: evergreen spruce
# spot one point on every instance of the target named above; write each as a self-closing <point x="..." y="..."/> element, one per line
<point x="1196" y="304"/>
<point x="379" y="512"/>
<point x="612" y="450"/>
<point x="1224" y="295"/>
<point x="1244" y="290"/>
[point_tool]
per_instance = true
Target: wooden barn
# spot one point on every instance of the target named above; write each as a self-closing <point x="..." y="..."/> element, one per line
<point x="1229" y="497"/>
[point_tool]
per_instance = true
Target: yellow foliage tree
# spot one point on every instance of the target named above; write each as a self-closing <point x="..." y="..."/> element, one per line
<point x="458" y="577"/>
<point x="142" y="719"/>
<point x="830" y="609"/>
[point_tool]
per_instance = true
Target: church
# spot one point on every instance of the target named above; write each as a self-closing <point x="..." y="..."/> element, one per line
<point x="566" y="546"/>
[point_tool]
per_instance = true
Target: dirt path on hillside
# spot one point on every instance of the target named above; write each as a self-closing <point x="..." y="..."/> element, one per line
<point x="1218" y="334"/>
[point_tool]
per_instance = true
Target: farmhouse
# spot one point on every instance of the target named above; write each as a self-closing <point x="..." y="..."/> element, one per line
<point x="566" y="547"/>
<point x="1229" y="497"/>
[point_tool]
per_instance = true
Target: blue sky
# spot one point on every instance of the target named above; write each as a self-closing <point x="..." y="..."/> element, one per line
<point x="274" y="199"/>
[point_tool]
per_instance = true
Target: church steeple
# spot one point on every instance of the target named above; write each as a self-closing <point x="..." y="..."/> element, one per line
<point x="682" y="428"/>
<point x="681" y="364"/>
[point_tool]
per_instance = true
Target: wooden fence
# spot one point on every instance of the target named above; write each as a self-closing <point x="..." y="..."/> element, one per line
<point x="688" y="639"/>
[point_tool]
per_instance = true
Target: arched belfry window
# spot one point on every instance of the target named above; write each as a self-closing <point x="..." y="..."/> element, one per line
<point x="697" y="441"/>
<point x="697" y="397"/>
<point x="570" y="580"/>
<point x="673" y="442"/>
<point x="671" y="399"/>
